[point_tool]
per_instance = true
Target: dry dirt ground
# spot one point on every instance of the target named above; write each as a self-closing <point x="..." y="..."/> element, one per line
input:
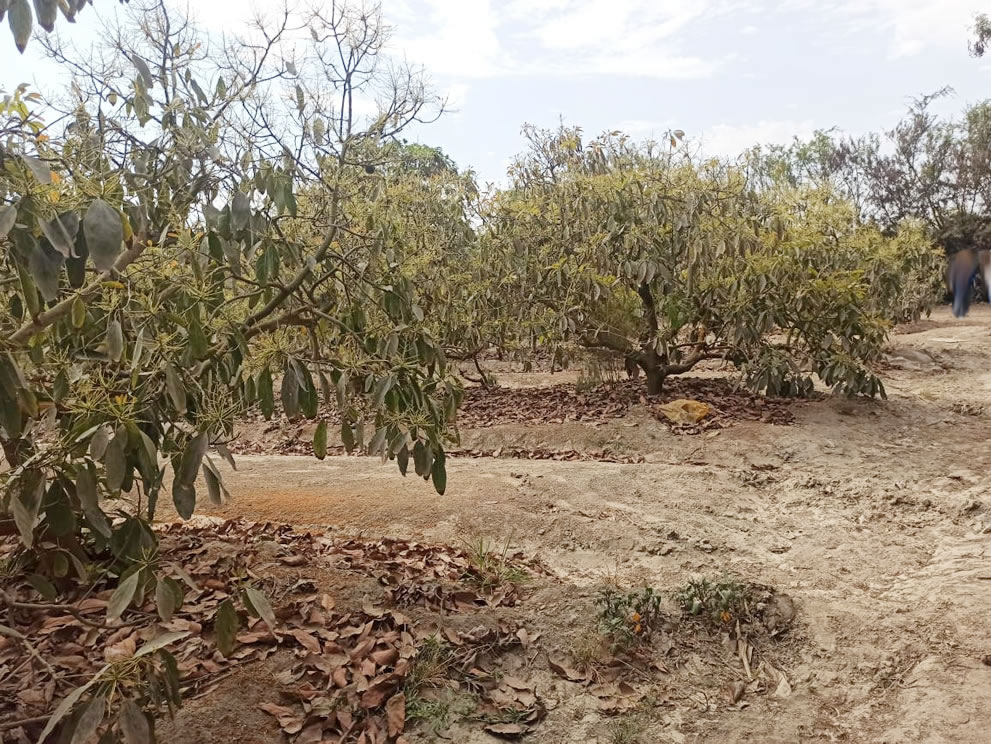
<point x="875" y="517"/>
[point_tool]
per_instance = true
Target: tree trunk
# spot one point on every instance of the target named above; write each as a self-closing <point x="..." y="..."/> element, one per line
<point x="656" y="370"/>
<point x="655" y="380"/>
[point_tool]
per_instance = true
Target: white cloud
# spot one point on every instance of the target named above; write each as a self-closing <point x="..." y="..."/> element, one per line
<point x="558" y="38"/>
<point x="456" y="95"/>
<point x="645" y="128"/>
<point x="918" y="24"/>
<point x="637" y="24"/>
<point x="907" y="27"/>
<point x="637" y="127"/>
<point x="454" y="37"/>
<point x="732" y="139"/>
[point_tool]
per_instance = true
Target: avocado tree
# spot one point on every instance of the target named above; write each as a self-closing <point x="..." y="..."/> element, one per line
<point x="637" y="249"/>
<point x="22" y="18"/>
<point x="163" y="272"/>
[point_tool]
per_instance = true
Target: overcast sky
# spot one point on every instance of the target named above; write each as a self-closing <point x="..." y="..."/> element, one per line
<point x="729" y="72"/>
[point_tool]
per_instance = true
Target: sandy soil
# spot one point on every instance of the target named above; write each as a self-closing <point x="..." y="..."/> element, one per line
<point x="874" y="517"/>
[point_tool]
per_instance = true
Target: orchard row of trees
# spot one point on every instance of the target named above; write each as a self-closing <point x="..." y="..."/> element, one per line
<point x="197" y="227"/>
<point x="933" y="169"/>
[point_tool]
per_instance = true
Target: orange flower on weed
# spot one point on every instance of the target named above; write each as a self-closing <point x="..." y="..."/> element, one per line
<point x="726" y="617"/>
<point x="636" y="617"/>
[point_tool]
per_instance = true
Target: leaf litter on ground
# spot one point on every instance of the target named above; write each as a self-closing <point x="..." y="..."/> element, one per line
<point x="351" y="665"/>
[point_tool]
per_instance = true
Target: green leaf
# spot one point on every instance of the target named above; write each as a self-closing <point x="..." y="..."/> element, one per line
<point x="290" y="393"/>
<point x="122" y="596"/>
<point x="8" y="218"/>
<point x="29" y="290"/>
<point x="226" y="454"/>
<point x="198" y="343"/>
<point x="342" y="390"/>
<point x="99" y="443"/>
<point x="61" y="232"/>
<point x="143" y="71"/>
<point x="320" y="440"/>
<point x="39" y="168"/>
<point x="27" y="503"/>
<point x="240" y="211"/>
<point x="86" y="492"/>
<point x="60" y="565"/>
<point x="139" y="345"/>
<point x="68" y="703"/>
<point x="134" y="724"/>
<point x="168" y="597"/>
<point x="176" y="390"/>
<point x="438" y="473"/>
<point x="377" y="445"/>
<point x="78" y="312"/>
<point x="90" y="720"/>
<point x="309" y="400"/>
<point x="104" y="233"/>
<point x="258" y="604"/>
<point x="61" y="519"/>
<point x="225" y="625"/>
<point x="43" y="586"/>
<point x="183" y="488"/>
<point x="60" y="388"/>
<point x="166" y="639"/>
<point x="266" y="397"/>
<point x="45" y="263"/>
<point x="115" y="340"/>
<point x="420" y="466"/>
<point x="219" y="494"/>
<point x="381" y="389"/>
<point x="347" y="435"/>
<point x="115" y="462"/>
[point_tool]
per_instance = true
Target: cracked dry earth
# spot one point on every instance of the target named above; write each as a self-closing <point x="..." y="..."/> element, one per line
<point x="874" y="517"/>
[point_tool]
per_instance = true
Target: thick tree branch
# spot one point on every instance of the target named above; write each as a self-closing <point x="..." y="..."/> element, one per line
<point x="63" y="308"/>
<point x="607" y="340"/>
<point x="650" y="311"/>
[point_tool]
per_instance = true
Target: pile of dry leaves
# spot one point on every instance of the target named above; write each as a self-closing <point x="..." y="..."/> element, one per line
<point x="295" y="443"/>
<point x="352" y="665"/>
<point x="484" y="407"/>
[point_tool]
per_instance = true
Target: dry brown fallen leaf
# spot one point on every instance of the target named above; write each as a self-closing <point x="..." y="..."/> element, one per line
<point x="736" y="690"/>
<point x="379" y="690"/>
<point x="395" y="712"/>
<point x="562" y="667"/>
<point x="506" y="730"/>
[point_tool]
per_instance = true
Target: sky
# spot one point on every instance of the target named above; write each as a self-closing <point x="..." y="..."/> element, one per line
<point x="730" y="73"/>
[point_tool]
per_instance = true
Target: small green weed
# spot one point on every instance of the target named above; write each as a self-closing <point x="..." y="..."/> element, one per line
<point x="437" y="713"/>
<point x="431" y="669"/>
<point x="628" y="618"/>
<point x="430" y="666"/>
<point x="721" y="602"/>
<point x="490" y="565"/>
<point x="627" y="730"/>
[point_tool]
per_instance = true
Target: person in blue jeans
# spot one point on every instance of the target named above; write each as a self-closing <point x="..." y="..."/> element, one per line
<point x="961" y="273"/>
